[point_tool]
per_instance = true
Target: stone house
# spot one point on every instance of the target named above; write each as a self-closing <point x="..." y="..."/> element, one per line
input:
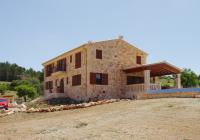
<point x="105" y="69"/>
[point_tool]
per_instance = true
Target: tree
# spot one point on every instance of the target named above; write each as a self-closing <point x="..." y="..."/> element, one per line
<point x="3" y="87"/>
<point x="26" y="91"/>
<point x="189" y="78"/>
<point x="10" y="72"/>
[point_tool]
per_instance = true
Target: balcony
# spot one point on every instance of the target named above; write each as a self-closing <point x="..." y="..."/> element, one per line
<point x="58" y="71"/>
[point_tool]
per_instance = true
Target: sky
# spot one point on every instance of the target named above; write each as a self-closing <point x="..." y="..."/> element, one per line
<point x="33" y="31"/>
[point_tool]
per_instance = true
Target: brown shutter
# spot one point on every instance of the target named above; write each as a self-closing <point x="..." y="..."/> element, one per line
<point x="70" y="58"/>
<point x="78" y="60"/>
<point x="104" y="79"/>
<point x="79" y="79"/>
<point x="139" y="60"/>
<point x="65" y="64"/>
<point x="76" y="80"/>
<point x="46" y="85"/>
<point x="92" y="78"/>
<point x="99" y="54"/>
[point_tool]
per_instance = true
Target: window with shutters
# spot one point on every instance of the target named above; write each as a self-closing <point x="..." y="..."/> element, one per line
<point x="134" y="80"/>
<point x="76" y="80"/>
<point x="49" y="70"/>
<point x="61" y="65"/>
<point x="78" y="60"/>
<point x="49" y="85"/>
<point x="99" y="78"/>
<point x="98" y="54"/>
<point x="139" y="60"/>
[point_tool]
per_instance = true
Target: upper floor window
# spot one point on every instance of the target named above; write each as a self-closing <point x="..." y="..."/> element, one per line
<point x="139" y="60"/>
<point x="76" y="80"/>
<point x="99" y="78"/>
<point x="78" y="60"/>
<point x="49" y="69"/>
<point x="98" y="54"/>
<point x="61" y="65"/>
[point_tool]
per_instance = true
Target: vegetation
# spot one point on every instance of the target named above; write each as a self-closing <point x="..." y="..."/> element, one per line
<point x="26" y="82"/>
<point x="26" y="91"/>
<point x="189" y="78"/>
<point x="3" y="87"/>
<point x="10" y="72"/>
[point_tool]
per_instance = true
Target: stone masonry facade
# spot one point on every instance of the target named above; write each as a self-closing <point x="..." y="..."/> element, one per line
<point x="93" y="71"/>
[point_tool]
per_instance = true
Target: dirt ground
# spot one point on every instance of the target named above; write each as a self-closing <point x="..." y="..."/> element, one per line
<point x="156" y="119"/>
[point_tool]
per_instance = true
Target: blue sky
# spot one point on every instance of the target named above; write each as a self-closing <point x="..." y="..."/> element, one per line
<point x="33" y="31"/>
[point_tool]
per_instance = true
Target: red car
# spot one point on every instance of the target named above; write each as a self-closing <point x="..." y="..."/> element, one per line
<point x="4" y="103"/>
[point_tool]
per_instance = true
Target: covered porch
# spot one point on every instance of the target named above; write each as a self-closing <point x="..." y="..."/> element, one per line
<point x="143" y="78"/>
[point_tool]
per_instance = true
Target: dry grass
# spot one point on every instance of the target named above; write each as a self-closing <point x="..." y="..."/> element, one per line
<point x="155" y="119"/>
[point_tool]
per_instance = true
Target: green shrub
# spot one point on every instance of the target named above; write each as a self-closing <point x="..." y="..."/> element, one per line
<point x="3" y="87"/>
<point x="26" y="91"/>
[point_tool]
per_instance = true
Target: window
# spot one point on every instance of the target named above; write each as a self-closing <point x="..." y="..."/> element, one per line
<point x="134" y="80"/>
<point x="49" y="85"/>
<point x="70" y="58"/>
<point x="61" y="65"/>
<point x="99" y="78"/>
<point x="98" y="54"/>
<point x="139" y="60"/>
<point x="78" y="60"/>
<point x="76" y="80"/>
<point x="49" y="69"/>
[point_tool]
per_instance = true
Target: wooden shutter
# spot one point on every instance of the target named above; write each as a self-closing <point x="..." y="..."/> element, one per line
<point x="92" y="78"/>
<point x="46" y="85"/>
<point x="76" y="80"/>
<point x="65" y="64"/>
<point x="78" y="60"/>
<point x="139" y="60"/>
<point x="70" y="58"/>
<point x="79" y="79"/>
<point x="98" y="54"/>
<point x="104" y="79"/>
<point x="50" y="85"/>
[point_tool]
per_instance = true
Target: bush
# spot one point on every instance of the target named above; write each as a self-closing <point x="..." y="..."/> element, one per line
<point x="33" y="82"/>
<point x="26" y="91"/>
<point x="3" y="87"/>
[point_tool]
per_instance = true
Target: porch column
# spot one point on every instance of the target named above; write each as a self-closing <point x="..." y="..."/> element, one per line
<point x="178" y="81"/>
<point x="147" y="79"/>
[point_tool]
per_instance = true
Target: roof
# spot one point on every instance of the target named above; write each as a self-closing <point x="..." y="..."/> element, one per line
<point x="84" y="45"/>
<point x="157" y="69"/>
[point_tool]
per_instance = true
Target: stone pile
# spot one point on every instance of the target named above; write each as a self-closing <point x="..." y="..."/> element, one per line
<point x="72" y="106"/>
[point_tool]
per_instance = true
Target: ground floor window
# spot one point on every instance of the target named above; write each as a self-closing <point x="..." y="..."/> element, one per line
<point x="99" y="78"/>
<point x="76" y="80"/>
<point x="49" y="85"/>
<point x="134" y="80"/>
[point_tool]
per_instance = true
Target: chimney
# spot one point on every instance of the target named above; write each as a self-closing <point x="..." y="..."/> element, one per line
<point x="120" y="37"/>
<point x="89" y="42"/>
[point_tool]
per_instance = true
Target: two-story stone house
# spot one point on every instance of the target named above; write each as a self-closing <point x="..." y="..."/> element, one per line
<point x="105" y="69"/>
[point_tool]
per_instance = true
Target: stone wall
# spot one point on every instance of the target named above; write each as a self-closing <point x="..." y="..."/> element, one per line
<point x="75" y="92"/>
<point x="117" y="55"/>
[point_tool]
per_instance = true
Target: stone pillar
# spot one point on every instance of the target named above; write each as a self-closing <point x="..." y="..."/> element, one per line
<point x="178" y="81"/>
<point x="147" y="80"/>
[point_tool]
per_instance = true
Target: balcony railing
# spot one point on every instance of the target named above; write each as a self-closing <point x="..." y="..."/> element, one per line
<point x="134" y="89"/>
<point x="57" y="69"/>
